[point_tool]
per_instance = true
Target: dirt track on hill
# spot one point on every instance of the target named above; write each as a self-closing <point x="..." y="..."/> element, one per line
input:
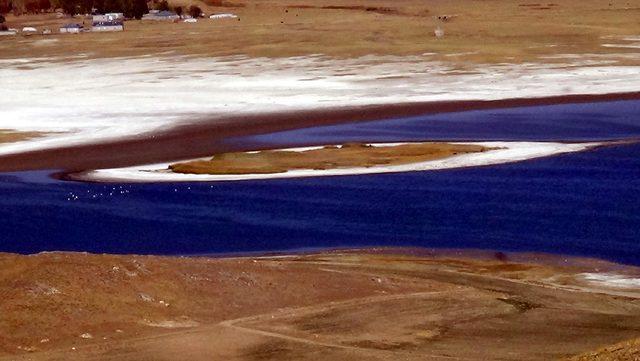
<point x="343" y="305"/>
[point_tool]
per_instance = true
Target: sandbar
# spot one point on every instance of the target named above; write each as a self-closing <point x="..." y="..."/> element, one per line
<point x="495" y="153"/>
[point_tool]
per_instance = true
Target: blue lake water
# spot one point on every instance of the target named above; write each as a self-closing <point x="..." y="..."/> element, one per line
<point x="569" y="122"/>
<point x="580" y="204"/>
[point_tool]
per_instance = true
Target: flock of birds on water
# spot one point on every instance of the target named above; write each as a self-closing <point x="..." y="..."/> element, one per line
<point x="110" y="191"/>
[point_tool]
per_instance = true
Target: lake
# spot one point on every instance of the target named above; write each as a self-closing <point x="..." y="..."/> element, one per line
<point x="584" y="204"/>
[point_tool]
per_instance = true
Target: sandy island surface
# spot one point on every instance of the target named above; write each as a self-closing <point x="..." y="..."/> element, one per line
<point x="350" y="155"/>
<point x="377" y="304"/>
<point x="487" y="153"/>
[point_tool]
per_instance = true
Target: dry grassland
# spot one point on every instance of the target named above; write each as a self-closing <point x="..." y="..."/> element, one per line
<point x="329" y="157"/>
<point x="331" y="306"/>
<point x="491" y="31"/>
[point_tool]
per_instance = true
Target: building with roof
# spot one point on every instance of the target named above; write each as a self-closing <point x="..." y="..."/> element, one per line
<point x="108" y="17"/>
<point x="29" y="30"/>
<point x="71" y="29"/>
<point x="223" y="16"/>
<point x="114" y="25"/>
<point x="161" y="15"/>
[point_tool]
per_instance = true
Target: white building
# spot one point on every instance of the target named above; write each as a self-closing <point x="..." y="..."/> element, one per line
<point x="28" y="30"/>
<point x="115" y="16"/>
<point x="71" y="29"/>
<point x="223" y="16"/>
<point x="108" y="17"/>
<point x="115" y="25"/>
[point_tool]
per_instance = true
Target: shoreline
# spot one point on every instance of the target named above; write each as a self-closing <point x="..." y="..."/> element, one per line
<point x="479" y="254"/>
<point x="502" y="152"/>
<point x="479" y="181"/>
<point x="200" y="138"/>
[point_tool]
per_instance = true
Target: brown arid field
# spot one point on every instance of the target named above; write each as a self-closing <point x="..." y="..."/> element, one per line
<point x="623" y="351"/>
<point x="489" y="31"/>
<point x="377" y="304"/>
<point x="327" y="157"/>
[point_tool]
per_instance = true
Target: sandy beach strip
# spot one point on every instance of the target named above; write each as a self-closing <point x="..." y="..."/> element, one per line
<point x="507" y="152"/>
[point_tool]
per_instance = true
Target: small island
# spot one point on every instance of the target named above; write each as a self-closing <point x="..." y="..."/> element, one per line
<point x="350" y="155"/>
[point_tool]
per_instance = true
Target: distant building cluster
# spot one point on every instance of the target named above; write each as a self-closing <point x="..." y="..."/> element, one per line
<point x="108" y="22"/>
<point x="115" y="22"/>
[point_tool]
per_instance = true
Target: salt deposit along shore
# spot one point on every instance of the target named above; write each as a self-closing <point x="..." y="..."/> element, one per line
<point x="111" y="99"/>
<point x="503" y="152"/>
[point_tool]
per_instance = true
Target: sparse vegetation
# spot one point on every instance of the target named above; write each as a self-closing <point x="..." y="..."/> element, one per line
<point x="330" y="157"/>
<point x="622" y="351"/>
<point x="222" y="3"/>
<point x="195" y="11"/>
<point x="199" y="308"/>
<point x="162" y="5"/>
<point x="485" y="33"/>
<point x="5" y="7"/>
<point x="130" y="8"/>
<point x="19" y="7"/>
